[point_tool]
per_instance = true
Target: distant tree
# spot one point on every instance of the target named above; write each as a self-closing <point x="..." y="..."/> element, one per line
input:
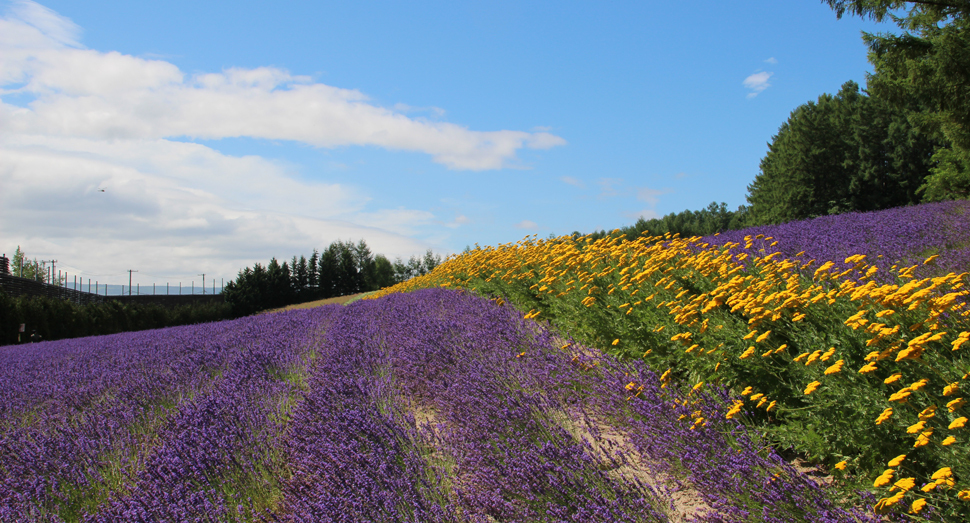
<point x="847" y="152"/>
<point x="313" y="274"/>
<point x="30" y="269"/>
<point x="366" y="277"/>
<point x="329" y="271"/>
<point x="383" y="272"/>
<point x="431" y="260"/>
<point x="347" y="283"/>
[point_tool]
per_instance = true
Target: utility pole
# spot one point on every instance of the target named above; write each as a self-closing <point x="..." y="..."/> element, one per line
<point x="203" y="282"/>
<point x="129" y="281"/>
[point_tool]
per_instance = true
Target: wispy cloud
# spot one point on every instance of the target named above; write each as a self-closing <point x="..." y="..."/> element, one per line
<point x="771" y="61"/>
<point x="459" y="220"/>
<point x="609" y="187"/>
<point x="651" y="196"/>
<point x="109" y="95"/>
<point x="527" y="224"/>
<point x="118" y="122"/>
<point x="757" y="83"/>
<point x="575" y="182"/>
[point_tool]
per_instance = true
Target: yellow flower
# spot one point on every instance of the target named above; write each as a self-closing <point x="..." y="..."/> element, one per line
<point x="964" y="495"/>
<point x="892" y="379"/>
<point x="896" y="461"/>
<point x="811" y="359"/>
<point x="756" y="397"/>
<point x="885" y="503"/>
<point x="904" y="484"/>
<point x="944" y="472"/>
<point x="746" y="391"/>
<point x="927" y="413"/>
<point x="747" y="354"/>
<point x="835" y="368"/>
<point x="840" y="465"/>
<point x="900" y="396"/>
<point x="884" y="479"/>
<point x="951" y="389"/>
<point x="801" y="356"/>
<point x="812" y="386"/>
<point x="958" y="423"/>
<point x="734" y="409"/>
<point x="771" y="406"/>
<point x="761" y="402"/>
<point x="950" y="440"/>
<point x="616" y="342"/>
<point x="884" y="416"/>
<point x="867" y="368"/>
<point x="916" y="427"/>
<point x="923" y="439"/>
<point x="917" y="506"/>
<point x="763" y="337"/>
<point x="956" y="404"/>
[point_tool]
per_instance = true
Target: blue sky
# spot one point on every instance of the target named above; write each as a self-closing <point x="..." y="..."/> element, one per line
<point x="225" y="133"/>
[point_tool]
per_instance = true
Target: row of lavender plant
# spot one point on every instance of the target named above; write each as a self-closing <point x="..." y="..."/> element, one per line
<point x="513" y="428"/>
<point x="431" y="406"/>
<point x="89" y="423"/>
<point x="483" y="449"/>
<point x="902" y="236"/>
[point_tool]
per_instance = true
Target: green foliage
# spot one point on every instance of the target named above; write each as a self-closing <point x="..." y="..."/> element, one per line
<point x="843" y="153"/>
<point x="35" y="270"/>
<point x="415" y="266"/>
<point x="342" y="268"/>
<point x="54" y="319"/>
<point x="929" y="65"/>
<point x="713" y="219"/>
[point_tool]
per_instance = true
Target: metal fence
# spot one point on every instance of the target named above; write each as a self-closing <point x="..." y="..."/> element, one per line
<point x="16" y="286"/>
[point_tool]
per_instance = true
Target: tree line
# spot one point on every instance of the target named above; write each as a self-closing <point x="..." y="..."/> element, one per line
<point x="343" y="268"/>
<point x="54" y="318"/>
<point x="23" y="267"/>
<point x="903" y="139"/>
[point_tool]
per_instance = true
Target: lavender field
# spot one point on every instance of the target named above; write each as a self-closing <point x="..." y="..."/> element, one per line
<point x="898" y="237"/>
<point x="430" y="406"/>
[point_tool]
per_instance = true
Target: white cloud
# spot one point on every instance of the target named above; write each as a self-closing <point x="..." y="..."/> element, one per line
<point x="609" y="187"/>
<point x="176" y="209"/>
<point x="459" y="220"/>
<point x="98" y="95"/>
<point x="527" y="224"/>
<point x="651" y="196"/>
<point x="757" y="83"/>
<point x="173" y="208"/>
<point x="771" y="61"/>
<point x="572" y="181"/>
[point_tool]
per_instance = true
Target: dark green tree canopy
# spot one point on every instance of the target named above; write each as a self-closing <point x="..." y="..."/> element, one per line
<point x="343" y="268"/>
<point x="847" y="152"/>
<point x="927" y="71"/>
